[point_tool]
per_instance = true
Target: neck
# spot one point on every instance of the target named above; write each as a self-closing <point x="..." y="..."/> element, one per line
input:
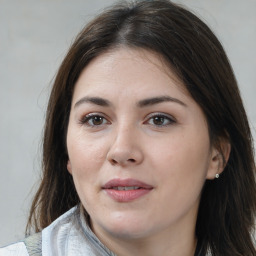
<point x="173" y="241"/>
<point x="178" y="246"/>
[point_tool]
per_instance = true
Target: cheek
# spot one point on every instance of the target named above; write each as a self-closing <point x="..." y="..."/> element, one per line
<point x="182" y="160"/>
<point x="86" y="157"/>
<point x="181" y="172"/>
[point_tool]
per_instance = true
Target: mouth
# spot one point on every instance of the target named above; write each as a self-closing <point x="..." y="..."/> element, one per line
<point x="126" y="190"/>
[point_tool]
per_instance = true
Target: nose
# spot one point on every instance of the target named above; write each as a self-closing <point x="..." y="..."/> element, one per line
<point x="126" y="149"/>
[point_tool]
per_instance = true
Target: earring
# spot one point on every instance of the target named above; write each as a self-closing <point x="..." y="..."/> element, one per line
<point x="217" y="175"/>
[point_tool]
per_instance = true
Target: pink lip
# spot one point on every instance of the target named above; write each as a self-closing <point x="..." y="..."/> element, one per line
<point x="126" y="195"/>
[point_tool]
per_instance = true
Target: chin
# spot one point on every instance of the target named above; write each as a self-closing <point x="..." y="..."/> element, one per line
<point x="128" y="233"/>
<point x="125" y="227"/>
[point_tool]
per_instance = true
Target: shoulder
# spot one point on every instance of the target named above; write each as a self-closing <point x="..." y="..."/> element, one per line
<point x="33" y="244"/>
<point x="16" y="249"/>
<point x="64" y="235"/>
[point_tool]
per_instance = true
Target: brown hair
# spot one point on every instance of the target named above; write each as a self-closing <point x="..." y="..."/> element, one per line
<point x="228" y="205"/>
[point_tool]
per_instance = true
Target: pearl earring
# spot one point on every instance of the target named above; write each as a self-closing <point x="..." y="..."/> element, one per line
<point x="217" y="175"/>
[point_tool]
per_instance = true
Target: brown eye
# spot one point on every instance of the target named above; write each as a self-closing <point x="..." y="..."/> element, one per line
<point x="94" y="120"/>
<point x="160" y="120"/>
<point x="97" y="120"/>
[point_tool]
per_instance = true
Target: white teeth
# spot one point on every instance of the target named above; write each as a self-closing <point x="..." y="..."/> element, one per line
<point x="125" y="188"/>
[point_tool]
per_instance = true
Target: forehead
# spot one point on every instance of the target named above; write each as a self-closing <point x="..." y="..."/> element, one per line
<point x="127" y="69"/>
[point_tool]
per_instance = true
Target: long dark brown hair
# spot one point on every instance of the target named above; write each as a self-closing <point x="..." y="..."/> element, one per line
<point x="228" y="205"/>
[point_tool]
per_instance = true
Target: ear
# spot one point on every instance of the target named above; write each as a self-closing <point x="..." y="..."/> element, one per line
<point x="219" y="158"/>
<point x="69" y="167"/>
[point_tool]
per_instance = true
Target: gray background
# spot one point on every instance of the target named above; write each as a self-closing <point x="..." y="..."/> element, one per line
<point x="34" y="36"/>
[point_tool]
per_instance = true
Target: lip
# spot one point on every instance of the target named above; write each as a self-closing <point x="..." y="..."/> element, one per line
<point x="126" y="195"/>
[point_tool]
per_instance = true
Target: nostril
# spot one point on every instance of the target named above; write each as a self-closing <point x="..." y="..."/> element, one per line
<point x="113" y="161"/>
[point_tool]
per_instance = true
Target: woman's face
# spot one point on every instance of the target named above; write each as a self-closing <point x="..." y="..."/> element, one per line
<point x="138" y="146"/>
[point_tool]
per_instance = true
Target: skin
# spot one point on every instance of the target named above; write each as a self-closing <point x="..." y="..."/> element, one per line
<point x="171" y="152"/>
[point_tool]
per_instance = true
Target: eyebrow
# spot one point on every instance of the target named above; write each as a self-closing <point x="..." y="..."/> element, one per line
<point x="94" y="100"/>
<point x="158" y="100"/>
<point x="142" y="103"/>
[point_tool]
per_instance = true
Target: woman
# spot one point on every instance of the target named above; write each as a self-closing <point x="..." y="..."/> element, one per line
<point x="147" y="148"/>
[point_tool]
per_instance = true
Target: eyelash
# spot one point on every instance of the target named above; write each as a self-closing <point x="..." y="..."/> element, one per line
<point x="87" y="118"/>
<point x="163" y="117"/>
<point x="170" y="120"/>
